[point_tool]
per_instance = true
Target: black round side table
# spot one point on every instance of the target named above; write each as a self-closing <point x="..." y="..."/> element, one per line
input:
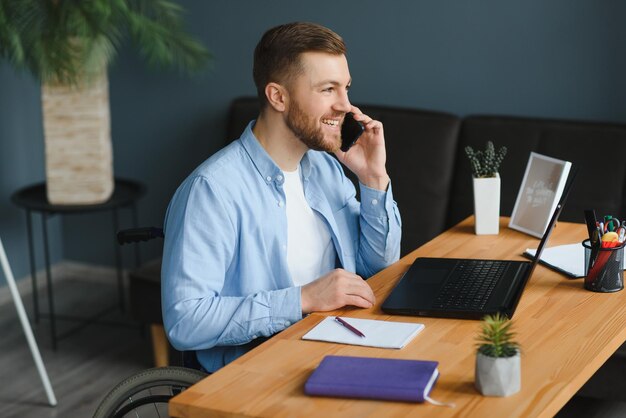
<point x="33" y="199"/>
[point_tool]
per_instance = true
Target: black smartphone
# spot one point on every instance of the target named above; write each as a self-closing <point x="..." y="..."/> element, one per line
<point x="351" y="130"/>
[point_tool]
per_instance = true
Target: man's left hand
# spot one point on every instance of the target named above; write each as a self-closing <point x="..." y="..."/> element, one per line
<point x="367" y="156"/>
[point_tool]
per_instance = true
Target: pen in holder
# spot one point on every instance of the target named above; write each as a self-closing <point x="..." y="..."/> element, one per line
<point x="605" y="273"/>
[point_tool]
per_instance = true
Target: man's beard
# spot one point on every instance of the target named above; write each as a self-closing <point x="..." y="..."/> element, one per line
<point x="308" y="131"/>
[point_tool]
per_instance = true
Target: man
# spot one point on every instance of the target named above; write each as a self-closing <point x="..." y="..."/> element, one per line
<point x="268" y="229"/>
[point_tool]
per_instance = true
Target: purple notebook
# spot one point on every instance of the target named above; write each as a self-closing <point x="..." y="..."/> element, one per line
<point x="373" y="378"/>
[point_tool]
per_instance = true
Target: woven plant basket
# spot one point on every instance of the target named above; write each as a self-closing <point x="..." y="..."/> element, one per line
<point x="79" y="155"/>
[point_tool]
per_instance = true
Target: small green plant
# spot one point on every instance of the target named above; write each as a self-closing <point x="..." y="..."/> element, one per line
<point x="485" y="163"/>
<point x="496" y="338"/>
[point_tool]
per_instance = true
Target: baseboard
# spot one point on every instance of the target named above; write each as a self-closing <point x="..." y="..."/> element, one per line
<point x="60" y="271"/>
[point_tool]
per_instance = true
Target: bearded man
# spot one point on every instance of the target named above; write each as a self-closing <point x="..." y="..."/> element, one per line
<point x="269" y="229"/>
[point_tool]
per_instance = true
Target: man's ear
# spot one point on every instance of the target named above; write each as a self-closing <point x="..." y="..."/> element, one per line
<point x="276" y="96"/>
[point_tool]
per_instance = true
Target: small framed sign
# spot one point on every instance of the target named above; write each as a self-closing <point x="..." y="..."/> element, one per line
<point x="539" y="194"/>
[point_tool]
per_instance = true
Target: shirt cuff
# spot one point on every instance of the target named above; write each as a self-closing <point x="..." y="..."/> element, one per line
<point x="376" y="203"/>
<point x="286" y="308"/>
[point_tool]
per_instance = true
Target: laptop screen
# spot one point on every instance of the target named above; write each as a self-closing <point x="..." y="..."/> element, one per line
<point x="555" y="216"/>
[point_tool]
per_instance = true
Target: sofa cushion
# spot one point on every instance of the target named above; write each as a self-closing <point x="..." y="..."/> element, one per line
<point x="600" y="181"/>
<point x="421" y="147"/>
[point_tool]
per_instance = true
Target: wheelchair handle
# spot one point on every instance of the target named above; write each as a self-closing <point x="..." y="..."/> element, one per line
<point x="127" y="236"/>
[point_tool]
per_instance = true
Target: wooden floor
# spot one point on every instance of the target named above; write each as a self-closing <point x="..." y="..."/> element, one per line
<point x="90" y="362"/>
<point x="85" y="365"/>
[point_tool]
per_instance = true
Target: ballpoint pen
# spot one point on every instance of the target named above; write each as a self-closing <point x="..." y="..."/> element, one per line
<point x="350" y="327"/>
<point x="596" y="241"/>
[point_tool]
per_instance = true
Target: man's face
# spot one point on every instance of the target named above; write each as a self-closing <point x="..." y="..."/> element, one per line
<point x="318" y="100"/>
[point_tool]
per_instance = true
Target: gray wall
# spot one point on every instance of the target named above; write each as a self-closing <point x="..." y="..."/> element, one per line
<point x="562" y="58"/>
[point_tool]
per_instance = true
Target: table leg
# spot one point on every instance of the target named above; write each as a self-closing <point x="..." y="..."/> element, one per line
<point x="53" y="328"/>
<point x="118" y="261"/>
<point x="136" y="225"/>
<point x="33" y="267"/>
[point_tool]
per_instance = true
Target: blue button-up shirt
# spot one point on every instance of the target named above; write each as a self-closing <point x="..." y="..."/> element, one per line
<point x="225" y="279"/>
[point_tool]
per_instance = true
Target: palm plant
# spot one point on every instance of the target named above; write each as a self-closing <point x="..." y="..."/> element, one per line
<point x="66" y="41"/>
<point x="496" y="338"/>
<point x="67" y="45"/>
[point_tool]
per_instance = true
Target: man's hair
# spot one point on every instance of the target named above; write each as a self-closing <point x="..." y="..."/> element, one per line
<point x="277" y="55"/>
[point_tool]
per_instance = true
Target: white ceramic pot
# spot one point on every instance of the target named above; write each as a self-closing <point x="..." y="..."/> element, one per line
<point x="487" y="205"/>
<point x="79" y="154"/>
<point x="498" y="376"/>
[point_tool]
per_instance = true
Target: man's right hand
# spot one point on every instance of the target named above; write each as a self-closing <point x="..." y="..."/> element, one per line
<point x="335" y="290"/>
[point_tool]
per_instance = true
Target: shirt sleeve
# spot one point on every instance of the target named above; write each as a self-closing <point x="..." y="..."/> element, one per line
<point x="199" y="249"/>
<point x="380" y="231"/>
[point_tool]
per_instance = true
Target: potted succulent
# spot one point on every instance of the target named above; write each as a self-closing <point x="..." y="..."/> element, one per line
<point x="68" y="45"/>
<point x="486" y="185"/>
<point x="498" y="365"/>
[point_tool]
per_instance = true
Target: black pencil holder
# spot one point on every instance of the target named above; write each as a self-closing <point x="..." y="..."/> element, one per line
<point x="607" y="273"/>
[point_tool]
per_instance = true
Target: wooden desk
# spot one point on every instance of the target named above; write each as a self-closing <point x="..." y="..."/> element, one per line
<point x="566" y="334"/>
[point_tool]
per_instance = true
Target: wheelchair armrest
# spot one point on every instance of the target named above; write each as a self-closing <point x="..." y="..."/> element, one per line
<point x="127" y="236"/>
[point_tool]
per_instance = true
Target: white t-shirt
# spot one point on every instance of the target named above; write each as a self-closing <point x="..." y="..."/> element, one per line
<point x="310" y="249"/>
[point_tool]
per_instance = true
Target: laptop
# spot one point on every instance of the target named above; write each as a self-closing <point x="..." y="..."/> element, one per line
<point x="466" y="288"/>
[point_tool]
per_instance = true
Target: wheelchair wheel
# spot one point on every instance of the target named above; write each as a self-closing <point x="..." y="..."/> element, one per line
<point x="146" y="393"/>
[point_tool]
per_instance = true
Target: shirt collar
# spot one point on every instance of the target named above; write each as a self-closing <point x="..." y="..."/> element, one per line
<point x="262" y="161"/>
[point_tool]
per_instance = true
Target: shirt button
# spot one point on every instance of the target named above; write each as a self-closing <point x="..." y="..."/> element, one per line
<point x="286" y="323"/>
<point x="374" y="202"/>
<point x="268" y="178"/>
<point x="280" y="203"/>
<point x="279" y="177"/>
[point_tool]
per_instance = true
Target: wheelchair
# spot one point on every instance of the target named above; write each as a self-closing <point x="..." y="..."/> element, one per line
<point x="146" y="393"/>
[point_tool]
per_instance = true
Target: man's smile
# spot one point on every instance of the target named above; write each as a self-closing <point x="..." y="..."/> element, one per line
<point x="331" y="122"/>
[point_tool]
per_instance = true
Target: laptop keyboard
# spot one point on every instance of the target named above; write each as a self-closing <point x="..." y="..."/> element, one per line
<point x="472" y="288"/>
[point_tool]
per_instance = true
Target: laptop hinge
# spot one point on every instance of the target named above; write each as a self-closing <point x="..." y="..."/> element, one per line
<point x="514" y="288"/>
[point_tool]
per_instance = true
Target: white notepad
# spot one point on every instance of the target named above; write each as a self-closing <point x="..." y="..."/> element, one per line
<point x="568" y="259"/>
<point x="382" y="334"/>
